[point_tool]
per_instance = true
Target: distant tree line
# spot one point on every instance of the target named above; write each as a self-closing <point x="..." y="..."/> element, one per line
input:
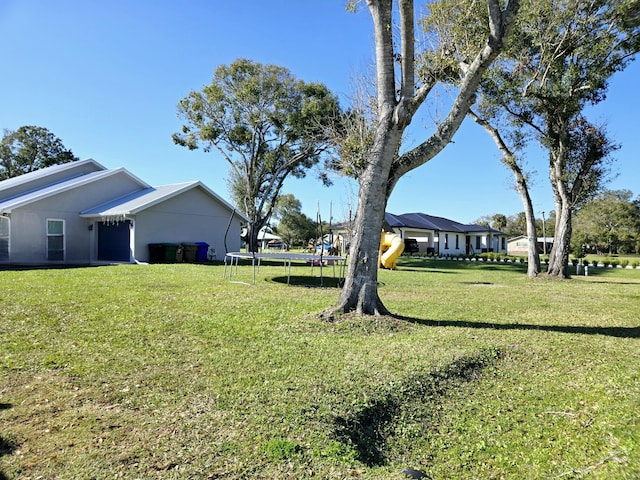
<point x="608" y="224"/>
<point x="292" y="226"/>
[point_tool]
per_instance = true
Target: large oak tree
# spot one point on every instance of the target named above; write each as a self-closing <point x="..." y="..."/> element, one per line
<point x="30" y="148"/>
<point x="266" y="124"/>
<point x="404" y="80"/>
<point x="559" y="61"/>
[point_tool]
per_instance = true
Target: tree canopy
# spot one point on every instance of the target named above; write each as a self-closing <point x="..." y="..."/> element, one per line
<point x="608" y="224"/>
<point x="404" y="78"/>
<point x="558" y="62"/>
<point x="266" y="124"/>
<point x="294" y="227"/>
<point x="30" y="148"/>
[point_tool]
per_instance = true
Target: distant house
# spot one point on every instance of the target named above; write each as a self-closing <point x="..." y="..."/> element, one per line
<point x="269" y="240"/>
<point x="520" y="245"/>
<point x="83" y="213"/>
<point x="441" y="236"/>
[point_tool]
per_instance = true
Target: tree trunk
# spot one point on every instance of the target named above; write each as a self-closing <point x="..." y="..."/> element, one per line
<point x="384" y="166"/>
<point x="360" y="292"/>
<point x="252" y="237"/>
<point x="559" y="256"/>
<point x="510" y="161"/>
<point x="533" y="266"/>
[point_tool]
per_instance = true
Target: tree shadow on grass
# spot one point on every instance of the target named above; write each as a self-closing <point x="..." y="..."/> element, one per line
<point x="619" y="332"/>
<point x="7" y="446"/>
<point x="422" y="270"/>
<point x="309" y="281"/>
<point x="369" y="428"/>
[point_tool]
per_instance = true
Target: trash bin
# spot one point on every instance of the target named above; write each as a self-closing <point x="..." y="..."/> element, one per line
<point x="201" y="255"/>
<point x="157" y="253"/>
<point x="190" y="252"/>
<point x="170" y="252"/>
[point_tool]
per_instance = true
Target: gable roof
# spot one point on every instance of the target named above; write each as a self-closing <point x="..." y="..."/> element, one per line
<point x="46" y="182"/>
<point x="143" y="199"/>
<point x="6" y="206"/>
<point x="429" y="222"/>
<point x="423" y="221"/>
<point x="44" y="177"/>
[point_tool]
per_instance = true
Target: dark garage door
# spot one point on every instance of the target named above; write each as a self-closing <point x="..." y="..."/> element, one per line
<point x="113" y="241"/>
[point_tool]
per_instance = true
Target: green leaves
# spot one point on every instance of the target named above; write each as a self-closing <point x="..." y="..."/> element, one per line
<point x="267" y="125"/>
<point x="30" y="148"/>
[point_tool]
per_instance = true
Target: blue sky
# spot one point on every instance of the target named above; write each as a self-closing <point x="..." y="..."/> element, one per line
<point x="106" y="77"/>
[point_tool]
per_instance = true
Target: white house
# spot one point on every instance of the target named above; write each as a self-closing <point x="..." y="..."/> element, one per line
<point x="520" y="245"/>
<point x="441" y="236"/>
<point x="265" y="238"/>
<point x="83" y="213"/>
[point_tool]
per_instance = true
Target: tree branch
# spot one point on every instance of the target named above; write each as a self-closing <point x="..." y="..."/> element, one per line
<point x="382" y="26"/>
<point x="500" y="24"/>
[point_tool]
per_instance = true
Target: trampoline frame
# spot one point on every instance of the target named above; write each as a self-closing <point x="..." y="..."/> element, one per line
<point x="233" y="258"/>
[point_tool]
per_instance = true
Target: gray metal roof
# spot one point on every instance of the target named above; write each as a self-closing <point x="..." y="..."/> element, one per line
<point x="42" y="193"/>
<point x="29" y="183"/>
<point x="138" y="201"/>
<point x="134" y="202"/>
<point x="46" y="172"/>
<point x="46" y="182"/>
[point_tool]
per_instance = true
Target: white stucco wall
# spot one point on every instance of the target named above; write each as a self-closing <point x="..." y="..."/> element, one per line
<point x="193" y="216"/>
<point x="29" y="223"/>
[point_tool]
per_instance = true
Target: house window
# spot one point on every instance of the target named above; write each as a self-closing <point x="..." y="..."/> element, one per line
<point x="504" y="243"/>
<point x="4" y="239"/>
<point x="55" y="239"/>
<point x="457" y="242"/>
<point x="478" y="242"/>
<point x="446" y="241"/>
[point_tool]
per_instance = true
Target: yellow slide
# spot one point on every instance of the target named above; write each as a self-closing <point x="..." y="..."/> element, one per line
<point x="391" y="247"/>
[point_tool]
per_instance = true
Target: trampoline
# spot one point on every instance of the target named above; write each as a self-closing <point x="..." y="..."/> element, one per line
<point x="232" y="259"/>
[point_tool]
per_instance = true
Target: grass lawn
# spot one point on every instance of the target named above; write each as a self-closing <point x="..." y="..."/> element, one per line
<point x="173" y="372"/>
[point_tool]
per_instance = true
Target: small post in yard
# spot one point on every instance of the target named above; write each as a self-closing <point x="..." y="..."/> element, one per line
<point x="586" y="270"/>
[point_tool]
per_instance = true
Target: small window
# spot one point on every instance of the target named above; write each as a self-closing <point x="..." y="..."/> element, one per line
<point x="478" y="242"/>
<point x="504" y="243"/>
<point x="446" y="241"/>
<point x="55" y="240"/>
<point x="4" y="239"/>
<point x="457" y="242"/>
